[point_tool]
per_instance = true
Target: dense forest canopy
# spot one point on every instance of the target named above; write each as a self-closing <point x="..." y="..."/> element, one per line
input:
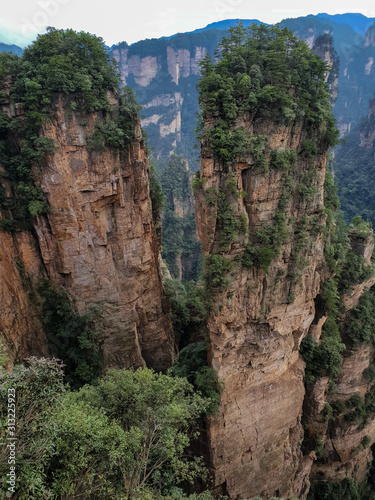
<point x="267" y="72"/>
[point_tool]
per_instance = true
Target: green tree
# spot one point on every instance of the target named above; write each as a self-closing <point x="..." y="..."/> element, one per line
<point x="158" y="415"/>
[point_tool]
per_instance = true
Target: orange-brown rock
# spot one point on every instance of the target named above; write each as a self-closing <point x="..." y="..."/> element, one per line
<point x="345" y="454"/>
<point x="346" y="451"/>
<point x="21" y="330"/>
<point x="99" y="242"/>
<point x="256" y="324"/>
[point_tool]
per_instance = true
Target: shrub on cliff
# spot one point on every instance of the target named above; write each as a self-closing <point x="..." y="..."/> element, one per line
<point x="192" y="364"/>
<point x="269" y="73"/>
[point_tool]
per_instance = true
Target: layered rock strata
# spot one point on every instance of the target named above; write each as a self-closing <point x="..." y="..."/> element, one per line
<point x="99" y="242"/>
<point x="257" y="323"/>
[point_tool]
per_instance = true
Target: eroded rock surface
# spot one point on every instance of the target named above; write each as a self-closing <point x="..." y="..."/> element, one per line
<point x="99" y="242"/>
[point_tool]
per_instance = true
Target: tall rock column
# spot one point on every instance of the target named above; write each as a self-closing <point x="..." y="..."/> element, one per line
<point x="260" y="217"/>
<point x="76" y="208"/>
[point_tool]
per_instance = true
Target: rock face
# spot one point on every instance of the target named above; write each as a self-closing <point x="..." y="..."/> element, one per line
<point x="345" y="442"/>
<point x="323" y="47"/>
<point x="163" y="108"/>
<point x="258" y="321"/>
<point x="163" y="74"/>
<point x="21" y="330"/>
<point x="99" y="242"/>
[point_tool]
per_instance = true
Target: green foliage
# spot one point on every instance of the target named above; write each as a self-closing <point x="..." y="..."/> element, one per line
<point x="353" y="169"/>
<point x="215" y="273"/>
<point x="354" y="270"/>
<point x="249" y="257"/>
<point x="264" y="258"/>
<point x="366" y="441"/>
<point x="359" y="324"/>
<point x="324" y="356"/>
<point x="347" y="489"/>
<point x="369" y="373"/>
<point x="73" y="336"/>
<point x="283" y="160"/>
<point x="68" y="62"/>
<point x="192" y="364"/>
<point x="360" y="227"/>
<point x="180" y="244"/>
<point x="3" y="355"/>
<point x="38" y="388"/>
<point x="188" y="304"/>
<point x="157" y="415"/>
<point x="156" y="194"/>
<point x="327" y="412"/>
<point x="265" y="71"/>
<point x="116" y="129"/>
<point x="227" y="223"/>
<point x="127" y="436"/>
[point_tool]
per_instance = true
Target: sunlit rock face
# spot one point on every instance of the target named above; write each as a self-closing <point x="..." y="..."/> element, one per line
<point x="98" y="241"/>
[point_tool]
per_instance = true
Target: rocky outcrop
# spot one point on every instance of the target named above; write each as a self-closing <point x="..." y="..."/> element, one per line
<point x="370" y="37"/>
<point x="257" y="323"/>
<point x="324" y="48"/>
<point x="162" y="108"/>
<point x="163" y="73"/>
<point x="20" y="326"/>
<point x="344" y="439"/>
<point x="98" y="241"/>
<point x="181" y="63"/>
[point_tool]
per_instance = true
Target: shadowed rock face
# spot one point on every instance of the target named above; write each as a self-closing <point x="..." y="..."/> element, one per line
<point x="99" y="242"/>
<point x="256" y="324"/>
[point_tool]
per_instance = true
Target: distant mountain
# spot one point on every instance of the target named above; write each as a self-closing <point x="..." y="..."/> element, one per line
<point x="227" y="23"/>
<point x="163" y="73"/>
<point x="358" y="22"/>
<point x="4" y="47"/>
<point x="355" y="169"/>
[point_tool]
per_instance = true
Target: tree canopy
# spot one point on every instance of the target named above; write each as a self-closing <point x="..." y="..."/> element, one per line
<point x="269" y="73"/>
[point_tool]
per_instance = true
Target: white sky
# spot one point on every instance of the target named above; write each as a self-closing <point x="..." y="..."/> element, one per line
<point x="118" y="20"/>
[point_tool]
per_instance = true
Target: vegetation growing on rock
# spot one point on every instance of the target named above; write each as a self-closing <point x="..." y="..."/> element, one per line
<point x="267" y="72"/>
<point x="65" y="63"/>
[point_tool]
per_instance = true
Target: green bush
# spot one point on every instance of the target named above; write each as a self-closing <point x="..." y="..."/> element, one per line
<point x="126" y="436"/>
<point x="346" y="489"/>
<point x="73" y="336"/>
<point x="264" y="258"/>
<point x="216" y="270"/>
<point x="192" y="364"/>
<point x="267" y="72"/>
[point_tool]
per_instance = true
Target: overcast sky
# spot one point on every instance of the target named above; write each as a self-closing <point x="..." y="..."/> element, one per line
<point x="118" y="20"/>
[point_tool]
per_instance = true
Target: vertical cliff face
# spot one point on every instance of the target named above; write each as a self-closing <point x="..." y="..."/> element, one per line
<point x="324" y="48"/>
<point x="261" y="219"/>
<point x="339" y="416"/>
<point x="94" y="236"/>
<point x="163" y="73"/>
<point x="258" y="321"/>
<point x="20" y="267"/>
<point x="99" y="240"/>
